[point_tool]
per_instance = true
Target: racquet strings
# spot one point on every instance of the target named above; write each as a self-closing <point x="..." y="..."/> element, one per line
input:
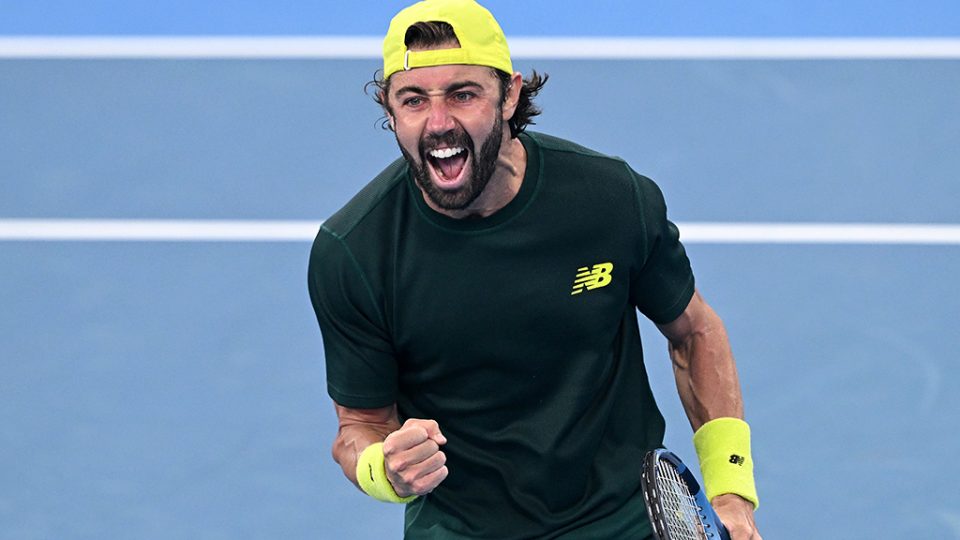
<point x="680" y="509"/>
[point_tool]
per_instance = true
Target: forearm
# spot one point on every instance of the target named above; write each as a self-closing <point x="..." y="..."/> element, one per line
<point x="357" y="430"/>
<point x="704" y="367"/>
<point x="706" y="377"/>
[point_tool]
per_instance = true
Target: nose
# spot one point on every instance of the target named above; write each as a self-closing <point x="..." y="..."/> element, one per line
<point x="439" y="121"/>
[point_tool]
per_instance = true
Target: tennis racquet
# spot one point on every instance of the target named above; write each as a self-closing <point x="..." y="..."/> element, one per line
<point x="678" y="508"/>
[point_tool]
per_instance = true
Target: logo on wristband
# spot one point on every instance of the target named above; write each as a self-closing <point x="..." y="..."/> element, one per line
<point x="737" y="460"/>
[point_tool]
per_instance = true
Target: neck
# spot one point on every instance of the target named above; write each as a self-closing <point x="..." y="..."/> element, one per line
<point x="503" y="186"/>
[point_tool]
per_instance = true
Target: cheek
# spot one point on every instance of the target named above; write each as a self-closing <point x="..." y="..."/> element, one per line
<point x="481" y="131"/>
<point x="408" y="136"/>
<point x="481" y="123"/>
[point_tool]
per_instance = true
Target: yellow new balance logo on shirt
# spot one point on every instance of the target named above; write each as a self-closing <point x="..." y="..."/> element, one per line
<point x="592" y="278"/>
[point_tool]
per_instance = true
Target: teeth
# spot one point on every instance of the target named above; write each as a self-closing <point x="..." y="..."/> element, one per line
<point x="446" y="152"/>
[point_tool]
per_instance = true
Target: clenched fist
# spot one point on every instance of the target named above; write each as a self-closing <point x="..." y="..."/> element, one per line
<point x="412" y="457"/>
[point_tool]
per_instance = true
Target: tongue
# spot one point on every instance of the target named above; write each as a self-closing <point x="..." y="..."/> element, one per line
<point x="452" y="166"/>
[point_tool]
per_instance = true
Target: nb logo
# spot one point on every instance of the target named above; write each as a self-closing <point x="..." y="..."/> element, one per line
<point x="736" y="460"/>
<point x="592" y="278"/>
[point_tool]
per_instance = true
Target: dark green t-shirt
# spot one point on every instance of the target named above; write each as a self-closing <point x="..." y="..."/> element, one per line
<point x="517" y="333"/>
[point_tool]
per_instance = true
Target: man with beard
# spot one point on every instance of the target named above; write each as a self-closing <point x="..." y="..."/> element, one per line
<point x="478" y="302"/>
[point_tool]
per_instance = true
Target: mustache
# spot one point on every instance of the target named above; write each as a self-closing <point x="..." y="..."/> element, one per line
<point x="448" y="138"/>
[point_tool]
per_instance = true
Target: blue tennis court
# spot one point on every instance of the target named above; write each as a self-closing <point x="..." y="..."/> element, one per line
<point x="175" y="389"/>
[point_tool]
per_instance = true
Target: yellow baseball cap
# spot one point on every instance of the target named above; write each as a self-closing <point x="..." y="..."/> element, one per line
<point x="482" y="42"/>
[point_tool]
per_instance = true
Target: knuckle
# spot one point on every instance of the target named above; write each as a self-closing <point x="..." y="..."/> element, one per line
<point x="425" y="425"/>
<point x="396" y="464"/>
<point x="420" y="486"/>
<point x="415" y="431"/>
<point x="404" y="479"/>
<point x="409" y="479"/>
<point x="414" y="422"/>
<point x="391" y="443"/>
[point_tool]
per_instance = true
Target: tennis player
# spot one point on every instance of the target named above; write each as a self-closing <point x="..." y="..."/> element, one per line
<point x="477" y="302"/>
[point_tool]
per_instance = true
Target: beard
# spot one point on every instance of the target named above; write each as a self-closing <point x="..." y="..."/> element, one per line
<point x="482" y="165"/>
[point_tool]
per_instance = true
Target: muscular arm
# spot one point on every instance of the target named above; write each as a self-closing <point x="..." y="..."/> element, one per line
<point x="411" y="453"/>
<point x="703" y="364"/>
<point x="706" y="376"/>
<point x="358" y="429"/>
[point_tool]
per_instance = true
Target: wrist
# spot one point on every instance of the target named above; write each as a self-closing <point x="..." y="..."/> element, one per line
<point x="372" y="476"/>
<point x="726" y="463"/>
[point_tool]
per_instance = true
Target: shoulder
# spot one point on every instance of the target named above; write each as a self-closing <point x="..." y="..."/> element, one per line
<point x="368" y="203"/>
<point x="556" y="146"/>
<point x="567" y="158"/>
<point x="577" y="163"/>
<point x="353" y="233"/>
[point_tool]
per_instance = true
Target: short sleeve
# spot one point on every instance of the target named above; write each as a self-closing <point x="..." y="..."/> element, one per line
<point x="663" y="284"/>
<point x="360" y="364"/>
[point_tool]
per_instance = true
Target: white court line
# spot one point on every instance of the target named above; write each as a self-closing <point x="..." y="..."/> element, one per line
<point x="819" y="233"/>
<point x="86" y="230"/>
<point x="83" y="230"/>
<point x="367" y="47"/>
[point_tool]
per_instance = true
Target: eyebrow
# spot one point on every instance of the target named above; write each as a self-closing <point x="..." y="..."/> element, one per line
<point x="449" y="89"/>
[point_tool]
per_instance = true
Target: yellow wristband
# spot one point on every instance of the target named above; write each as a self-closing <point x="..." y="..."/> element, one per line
<point x="723" y="446"/>
<point x="372" y="476"/>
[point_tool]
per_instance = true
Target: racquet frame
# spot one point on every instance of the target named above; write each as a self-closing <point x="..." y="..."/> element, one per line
<point x="677" y="506"/>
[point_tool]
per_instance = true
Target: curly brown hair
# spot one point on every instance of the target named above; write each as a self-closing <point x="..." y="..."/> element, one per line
<point x="423" y="35"/>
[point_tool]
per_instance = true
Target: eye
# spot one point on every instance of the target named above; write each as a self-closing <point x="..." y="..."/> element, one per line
<point x="463" y="97"/>
<point x="414" y="101"/>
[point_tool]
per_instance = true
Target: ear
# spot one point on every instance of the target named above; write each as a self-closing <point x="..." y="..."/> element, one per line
<point x="513" y="95"/>
<point x="386" y="110"/>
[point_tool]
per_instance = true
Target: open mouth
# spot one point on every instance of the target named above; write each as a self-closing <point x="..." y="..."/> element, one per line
<point x="448" y="164"/>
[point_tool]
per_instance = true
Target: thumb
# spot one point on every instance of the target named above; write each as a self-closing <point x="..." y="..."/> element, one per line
<point x="430" y="426"/>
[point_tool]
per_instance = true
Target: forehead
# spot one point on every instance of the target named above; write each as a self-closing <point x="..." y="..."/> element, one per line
<point x="438" y="78"/>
